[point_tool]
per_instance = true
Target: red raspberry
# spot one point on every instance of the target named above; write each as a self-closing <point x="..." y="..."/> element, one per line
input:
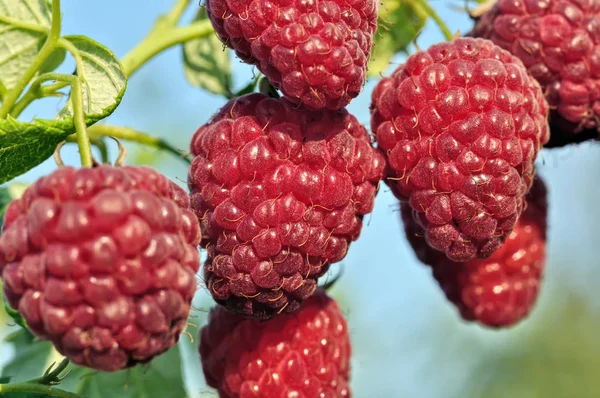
<point x="280" y="193"/>
<point x="559" y="42"/>
<point x="315" y="52"/>
<point x="306" y="354"/>
<point x="500" y="290"/>
<point x="461" y="125"/>
<point x="102" y="261"/>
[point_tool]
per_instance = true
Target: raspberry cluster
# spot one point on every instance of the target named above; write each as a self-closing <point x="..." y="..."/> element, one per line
<point x="280" y="192"/>
<point x="559" y="43"/>
<point x="306" y="354"/>
<point x="460" y="125"/>
<point x="501" y="290"/>
<point x="315" y="52"/>
<point x="102" y="261"/>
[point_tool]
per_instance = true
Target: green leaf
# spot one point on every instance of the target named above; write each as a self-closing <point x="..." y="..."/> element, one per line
<point x="7" y="194"/>
<point x="206" y="62"/>
<point x="400" y="21"/>
<point x="54" y="61"/>
<point x="32" y="357"/>
<point x="24" y="26"/>
<point x="160" y="378"/>
<point x="5" y="380"/>
<point x="25" y="145"/>
<point x="103" y="80"/>
<point x="5" y="199"/>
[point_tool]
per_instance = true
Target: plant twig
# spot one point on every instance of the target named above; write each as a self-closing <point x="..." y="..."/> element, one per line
<point x="36" y="388"/>
<point x="163" y="36"/>
<point x="129" y="134"/>
<point x="434" y="15"/>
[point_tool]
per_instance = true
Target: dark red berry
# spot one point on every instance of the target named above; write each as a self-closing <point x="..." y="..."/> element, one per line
<point x="102" y="261"/>
<point x="559" y="42"/>
<point x="461" y="125"/>
<point x="315" y="52"/>
<point x="502" y="289"/>
<point x="306" y="354"/>
<point x="280" y="193"/>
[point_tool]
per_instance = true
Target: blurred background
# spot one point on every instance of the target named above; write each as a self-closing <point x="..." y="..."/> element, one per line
<point x="408" y="341"/>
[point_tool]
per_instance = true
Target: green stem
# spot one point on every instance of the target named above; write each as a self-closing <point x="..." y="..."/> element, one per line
<point x="129" y="134"/>
<point x="434" y="15"/>
<point x="36" y="91"/>
<point x="163" y="36"/>
<point x="178" y="9"/>
<point x="83" y="140"/>
<point x="36" y="388"/>
<point x="95" y="140"/>
<point x="23" y="24"/>
<point x="13" y="95"/>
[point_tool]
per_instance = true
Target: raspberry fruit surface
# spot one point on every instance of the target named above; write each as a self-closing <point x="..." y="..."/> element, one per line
<point x="315" y="52"/>
<point x="461" y="125"/>
<point x="559" y="42"/>
<point x="305" y="354"/>
<point x="102" y="261"/>
<point x="280" y="193"/>
<point x="502" y="289"/>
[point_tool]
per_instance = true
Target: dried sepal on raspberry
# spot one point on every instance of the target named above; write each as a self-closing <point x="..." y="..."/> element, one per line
<point x="559" y="43"/>
<point x="305" y="354"/>
<point x="501" y="290"/>
<point x="460" y="126"/>
<point x="315" y="52"/>
<point x="280" y="193"/>
<point x="101" y="262"/>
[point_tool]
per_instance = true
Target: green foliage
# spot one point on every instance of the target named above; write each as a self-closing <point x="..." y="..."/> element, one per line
<point x="400" y="22"/>
<point x="103" y="79"/>
<point x="31" y="357"/>
<point x="161" y="378"/>
<point x="25" y="145"/>
<point x="24" y="26"/>
<point x="206" y="62"/>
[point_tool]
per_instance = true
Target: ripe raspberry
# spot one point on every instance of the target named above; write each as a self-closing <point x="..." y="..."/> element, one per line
<point x="461" y="125"/>
<point x="101" y="262"/>
<point x="500" y="290"/>
<point x="306" y="354"/>
<point x="315" y="52"/>
<point x="280" y="193"/>
<point x="559" y="42"/>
